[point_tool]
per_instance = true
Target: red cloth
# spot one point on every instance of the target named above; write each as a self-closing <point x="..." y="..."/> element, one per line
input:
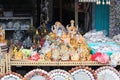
<point x="100" y="57"/>
<point x="34" y="57"/>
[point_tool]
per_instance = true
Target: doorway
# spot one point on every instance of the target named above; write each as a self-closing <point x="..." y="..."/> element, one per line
<point x="64" y="11"/>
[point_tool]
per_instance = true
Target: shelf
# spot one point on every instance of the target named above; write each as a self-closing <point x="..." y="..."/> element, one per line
<point x="25" y="62"/>
<point x="33" y="63"/>
<point x="15" y="29"/>
<point x="12" y="28"/>
<point x="15" y="17"/>
<point x="55" y="63"/>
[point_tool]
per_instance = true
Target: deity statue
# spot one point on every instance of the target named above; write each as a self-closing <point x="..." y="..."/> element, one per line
<point x="43" y="31"/>
<point x="27" y="43"/>
<point x="72" y="29"/>
<point x="31" y="31"/>
<point x="2" y="35"/>
<point x="36" y="38"/>
<point x="58" y="29"/>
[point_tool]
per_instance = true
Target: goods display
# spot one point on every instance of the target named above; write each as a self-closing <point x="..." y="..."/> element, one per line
<point x="100" y="57"/>
<point x="65" y="44"/>
<point x="37" y="74"/>
<point x="10" y="24"/>
<point x="76" y="73"/>
<point x="96" y="37"/>
<point x="99" y="43"/>
<point x="17" y="38"/>
<point x="63" y="47"/>
<point x="115" y="59"/>
<point x="15" y="23"/>
<point x="43" y="30"/>
<point x="107" y="47"/>
<point x="11" y="76"/>
<point x="60" y="44"/>
<point x="107" y="73"/>
<point x="80" y="73"/>
<point x="116" y="38"/>
<point x="58" y="74"/>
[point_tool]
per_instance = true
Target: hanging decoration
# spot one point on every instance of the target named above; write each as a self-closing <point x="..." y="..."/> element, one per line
<point x="103" y="2"/>
<point x="44" y="18"/>
<point x="98" y="2"/>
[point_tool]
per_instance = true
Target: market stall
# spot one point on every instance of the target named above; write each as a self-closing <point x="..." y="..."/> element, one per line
<point x="47" y="53"/>
<point x="61" y="46"/>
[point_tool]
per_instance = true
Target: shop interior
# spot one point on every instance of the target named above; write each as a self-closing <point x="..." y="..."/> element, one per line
<point x="30" y="25"/>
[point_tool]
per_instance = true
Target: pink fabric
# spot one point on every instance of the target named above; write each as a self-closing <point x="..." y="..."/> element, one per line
<point x="34" y="57"/>
<point x="101" y="58"/>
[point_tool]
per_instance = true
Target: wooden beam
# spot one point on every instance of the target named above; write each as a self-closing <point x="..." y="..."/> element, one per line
<point x="76" y="12"/>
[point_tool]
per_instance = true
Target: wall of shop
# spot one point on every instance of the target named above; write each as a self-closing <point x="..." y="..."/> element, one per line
<point x="114" y="18"/>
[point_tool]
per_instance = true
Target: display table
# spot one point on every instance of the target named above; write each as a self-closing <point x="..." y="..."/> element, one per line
<point x="12" y="62"/>
<point x="2" y="66"/>
<point x="3" y="50"/>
